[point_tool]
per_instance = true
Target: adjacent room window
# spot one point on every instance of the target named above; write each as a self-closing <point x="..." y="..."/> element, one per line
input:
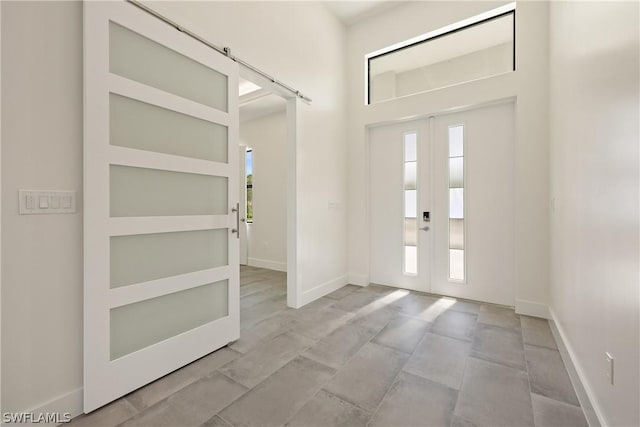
<point x="410" y="141"/>
<point x="249" y="180"/>
<point x="475" y="48"/>
<point x="456" y="204"/>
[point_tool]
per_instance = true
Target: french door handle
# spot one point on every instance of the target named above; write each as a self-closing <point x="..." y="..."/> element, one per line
<point x="425" y="228"/>
<point x="237" y="212"/>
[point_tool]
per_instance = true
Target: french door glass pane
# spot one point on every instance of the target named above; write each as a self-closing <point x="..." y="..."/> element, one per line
<point x="456" y="234"/>
<point x="141" y="324"/>
<point x="456" y="264"/>
<point x="411" y="147"/>
<point x="137" y="58"/>
<point x="411" y="259"/>
<point x="410" y="175"/>
<point x="410" y="204"/>
<point x="456" y="203"/>
<point x="410" y="232"/>
<point x="456" y="174"/>
<point x="456" y="139"/>
<point x="136" y="124"/>
<point x="144" y="257"/>
<point x="150" y="192"/>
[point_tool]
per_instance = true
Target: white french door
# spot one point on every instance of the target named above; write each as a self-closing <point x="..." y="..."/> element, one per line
<point x="474" y="197"/>
<point x="160" y="182"/>
<point x="399" y="184"/>
<point x="442" y="213"/>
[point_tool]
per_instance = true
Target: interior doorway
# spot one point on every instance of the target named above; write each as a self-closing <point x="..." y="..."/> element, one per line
<point x="262" y="181"/>
<point x="442" y="204"/>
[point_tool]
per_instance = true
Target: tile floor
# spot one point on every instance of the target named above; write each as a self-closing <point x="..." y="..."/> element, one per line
<point x="373" y="356"/>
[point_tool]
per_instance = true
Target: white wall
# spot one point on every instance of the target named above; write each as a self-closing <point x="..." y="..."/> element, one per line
<point x="528" y="85"/>
<point x="42" y="149"/>
<point x="594" y="115"/>
<point x="267" y="235"/>
<point x="312" y="61"/>
<point x="41" y="254"/>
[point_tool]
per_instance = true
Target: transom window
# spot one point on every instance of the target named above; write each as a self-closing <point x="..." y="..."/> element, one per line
<point x="475" y="48"/>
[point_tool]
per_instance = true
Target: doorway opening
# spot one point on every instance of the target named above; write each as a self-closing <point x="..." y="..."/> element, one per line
<point x="263" y="193"/>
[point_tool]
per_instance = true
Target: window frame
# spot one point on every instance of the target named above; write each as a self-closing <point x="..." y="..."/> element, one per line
<point x="404" y="195"/>
<point x="509" y="9"/>
<point x="464" y="218"/>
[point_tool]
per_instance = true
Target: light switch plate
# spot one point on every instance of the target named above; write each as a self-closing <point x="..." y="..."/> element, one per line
<point x="46" y="202"/>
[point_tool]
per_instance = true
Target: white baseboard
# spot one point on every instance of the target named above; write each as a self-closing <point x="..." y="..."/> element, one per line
<point x="321" y="290"/>
<point x="70" y="403"/>
<point x="358" y="279"/>
<point x="534" y="309"/>
<point x="578" y="378"/>
<point x="265" y="263"/>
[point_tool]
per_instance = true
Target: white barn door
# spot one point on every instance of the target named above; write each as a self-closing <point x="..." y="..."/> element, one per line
<point x="160" y="192"/>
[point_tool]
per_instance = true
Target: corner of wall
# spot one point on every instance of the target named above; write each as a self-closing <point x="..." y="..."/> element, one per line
<point x="321" y="290"/>
<point x="532" y="308"/>
<point x="358" y="279"/>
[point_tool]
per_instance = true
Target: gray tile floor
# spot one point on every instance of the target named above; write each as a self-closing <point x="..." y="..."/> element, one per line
<point x="373" y="356"/>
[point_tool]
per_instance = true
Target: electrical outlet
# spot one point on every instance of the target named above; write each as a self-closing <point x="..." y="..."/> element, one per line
<point x="610" y="371"/>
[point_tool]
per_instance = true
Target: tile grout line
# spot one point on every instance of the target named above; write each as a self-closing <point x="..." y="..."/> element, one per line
<point x="346" y="362"/>
<point x="248" y="389"/>
<point x="395" y="378"/>
<point x="376" y="332"/>
<point x="464" y="371"/>
<point x="526" y="370"/>
<point x="337" y="370"/>
<point x="531" y="392"/>
<point x="298" y="354"/>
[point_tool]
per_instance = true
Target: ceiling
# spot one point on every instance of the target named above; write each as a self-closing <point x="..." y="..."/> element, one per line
<point x="257" y="102"/>
<point x="264" y="106"/>
<point x="351" y="12"/>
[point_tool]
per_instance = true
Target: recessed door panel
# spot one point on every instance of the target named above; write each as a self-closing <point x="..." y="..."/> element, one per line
<point x="141" y="324"/>
<point x="138" y="57"/>
<point x="144" y="126"/>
